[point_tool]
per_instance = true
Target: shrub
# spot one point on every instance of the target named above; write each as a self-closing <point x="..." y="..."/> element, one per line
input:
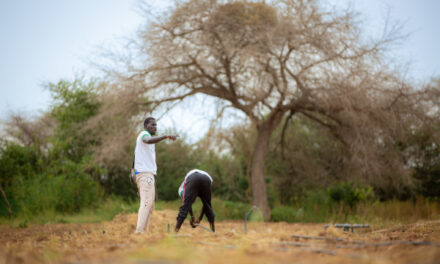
<point x="63" y="188"/>
<point x="348" y="194"/>
<point x="283" y="213"/>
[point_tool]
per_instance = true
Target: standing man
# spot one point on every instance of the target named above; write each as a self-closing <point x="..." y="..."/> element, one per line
<point x="196" y="183"/>
<point x="145" y="171"/>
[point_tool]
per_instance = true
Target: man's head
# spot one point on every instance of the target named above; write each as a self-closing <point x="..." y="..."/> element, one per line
<point x="150" y="125"/>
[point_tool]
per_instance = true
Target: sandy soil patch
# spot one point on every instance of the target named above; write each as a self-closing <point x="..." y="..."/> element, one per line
<point x="115" y="242"/>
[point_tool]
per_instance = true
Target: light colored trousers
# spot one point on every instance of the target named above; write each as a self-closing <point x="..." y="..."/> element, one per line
<point x="145" y="182"/>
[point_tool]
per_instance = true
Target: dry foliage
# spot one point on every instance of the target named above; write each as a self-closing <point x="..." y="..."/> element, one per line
<point x="272" y="60"/>
<point x="117" y="124"/>
<point x="29" y="132"/>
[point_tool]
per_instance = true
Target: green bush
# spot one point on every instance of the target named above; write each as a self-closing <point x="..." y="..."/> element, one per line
<point x="230" y="181"/>
<point x="283" y="214"/>
<point x="174" y="161"/>
<point x="229" y="210"/>
<point x="315" y="207"/>
<point x="348" y="194"/>
<point x="16" y="162"/>
<point x="64" y="193"/>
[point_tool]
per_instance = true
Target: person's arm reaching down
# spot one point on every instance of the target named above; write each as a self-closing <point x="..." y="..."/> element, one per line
<point x="192" y="222"/>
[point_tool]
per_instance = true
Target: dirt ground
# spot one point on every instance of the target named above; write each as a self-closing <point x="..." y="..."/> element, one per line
<point x="115" y="242"/>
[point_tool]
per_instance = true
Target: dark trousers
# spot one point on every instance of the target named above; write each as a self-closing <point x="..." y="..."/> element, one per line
<point x="196" y="185"/>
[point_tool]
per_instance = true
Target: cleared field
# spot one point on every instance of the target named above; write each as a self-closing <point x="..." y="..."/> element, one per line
<point x="115" y="242"/>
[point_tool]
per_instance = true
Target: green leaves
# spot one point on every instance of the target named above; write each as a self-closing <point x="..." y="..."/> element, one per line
<point x="74" y="103"/>
<point x="348" y="194"/>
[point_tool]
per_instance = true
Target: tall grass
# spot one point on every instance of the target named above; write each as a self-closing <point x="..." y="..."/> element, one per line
<point x="314" y="209"/>
<point x="376" y="212"/>
<point x="345" y="202"/>
<point x="110" y="207"/>
<point x="103" y="210"/>
<point x="400" y="211"/>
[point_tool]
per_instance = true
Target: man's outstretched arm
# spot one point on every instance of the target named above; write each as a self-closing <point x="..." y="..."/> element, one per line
<point x="154" y="140"/>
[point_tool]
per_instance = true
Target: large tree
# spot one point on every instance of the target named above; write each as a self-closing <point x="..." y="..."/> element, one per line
<point x="272" y="60"/>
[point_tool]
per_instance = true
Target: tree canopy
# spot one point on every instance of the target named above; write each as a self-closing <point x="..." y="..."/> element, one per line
<point x="272" y="60"/>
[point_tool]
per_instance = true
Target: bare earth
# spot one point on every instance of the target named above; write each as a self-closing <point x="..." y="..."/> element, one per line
<point x="115" y="242"/>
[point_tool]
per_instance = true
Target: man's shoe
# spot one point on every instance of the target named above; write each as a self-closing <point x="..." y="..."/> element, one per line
<point x="212" y="226"/>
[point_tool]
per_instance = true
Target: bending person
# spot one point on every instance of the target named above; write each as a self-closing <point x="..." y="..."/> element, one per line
<point x="197" y="183"/>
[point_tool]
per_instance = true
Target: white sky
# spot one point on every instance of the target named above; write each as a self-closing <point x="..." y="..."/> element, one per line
<point x="46" y="40"/>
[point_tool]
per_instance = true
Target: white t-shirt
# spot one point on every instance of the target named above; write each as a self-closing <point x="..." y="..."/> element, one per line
<point x="180" y="191"/>
<point x="199" y="171"/>
<point x="145" y="154"/>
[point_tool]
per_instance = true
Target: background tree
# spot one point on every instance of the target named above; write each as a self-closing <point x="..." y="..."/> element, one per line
<point x="273" y="60"/>
<point x="27" y="132"/>
<point x="422" y="149"/>
<point x="47" y="162"/>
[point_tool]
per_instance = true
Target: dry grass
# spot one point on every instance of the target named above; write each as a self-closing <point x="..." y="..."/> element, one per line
<point x="115" y="242"/>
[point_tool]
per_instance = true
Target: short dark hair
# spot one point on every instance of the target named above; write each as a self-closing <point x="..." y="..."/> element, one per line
<point x="148" y="120"/>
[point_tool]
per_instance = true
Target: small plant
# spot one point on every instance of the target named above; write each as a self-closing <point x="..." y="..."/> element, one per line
<point x="347" y="194"/>
<point x="23" y="224"/>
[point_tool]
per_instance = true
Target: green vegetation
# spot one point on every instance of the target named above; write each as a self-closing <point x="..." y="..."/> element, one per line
<point x="376" y="213"/>
<point x="55" y="175"/>
<point x="319" y="207"/>
<point x="60" y="177"/>
<point x="104" y="211"/>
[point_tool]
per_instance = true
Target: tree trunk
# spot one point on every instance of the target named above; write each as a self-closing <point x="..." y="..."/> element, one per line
<point x="259" y="193"/>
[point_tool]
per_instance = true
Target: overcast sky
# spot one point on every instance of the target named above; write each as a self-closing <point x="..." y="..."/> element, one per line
<point x="46" y="40"/>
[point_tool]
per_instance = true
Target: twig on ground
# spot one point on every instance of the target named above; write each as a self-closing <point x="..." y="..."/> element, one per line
<point x="207" y="229"/>
<point x="317" y="237"/>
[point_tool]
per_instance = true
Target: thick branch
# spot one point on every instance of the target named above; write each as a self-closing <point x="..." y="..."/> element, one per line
<point x="283" y="134"/>
<point x="331" y="128"/>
